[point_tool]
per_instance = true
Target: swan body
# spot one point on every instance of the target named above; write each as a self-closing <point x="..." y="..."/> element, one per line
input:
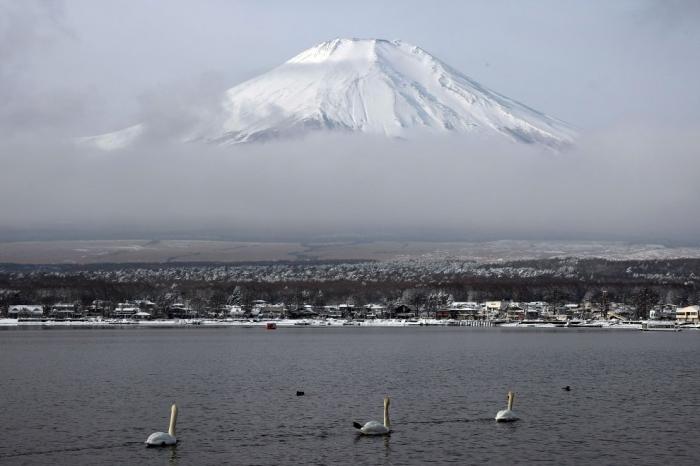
<point x="507" y="415"/>
<point x="159" y="439"/>
<point x="376" y="427"/>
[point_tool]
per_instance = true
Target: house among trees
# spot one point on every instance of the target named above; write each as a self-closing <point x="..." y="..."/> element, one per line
<point x="25" y="311"/>
<point x="234" y="311"/>
<point x="373" y="311"/>
<point x="346" y="310"/>
<point x="537" y="309"/>
<point x="134" y="310"/>
<point x="125" y="311"/>
<point x="466" y="310"/>
<point x="448" y="313"/>
<point x="572" y="310"/>
<point x="180" y="311"/>
<point x="63" y="311"/>
<point x="515" y="311"/>
<point x="147" y="306"/>
<point x="663" y="312"/>
<point x="302" y="312"/>
<point x="99" y="308"/>
<point x="271" y="311"/>
<point x="403" y="311"/>
<point x="470" y="313"/>
<point x="331" y="312"/>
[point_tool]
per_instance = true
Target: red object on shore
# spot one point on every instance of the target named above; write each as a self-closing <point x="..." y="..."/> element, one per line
<point x="271" y="326"/>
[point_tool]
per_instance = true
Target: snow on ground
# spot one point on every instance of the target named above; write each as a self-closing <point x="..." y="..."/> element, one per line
<point x="56" y="252"/>
<point x="311" y="323"/>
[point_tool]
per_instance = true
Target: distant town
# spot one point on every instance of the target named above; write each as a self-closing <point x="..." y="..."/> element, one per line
<point x="547" y="292"/>
<point x="449" y="311"/>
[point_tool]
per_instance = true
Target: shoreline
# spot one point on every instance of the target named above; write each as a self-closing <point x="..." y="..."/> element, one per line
<point x="335" y="323"/>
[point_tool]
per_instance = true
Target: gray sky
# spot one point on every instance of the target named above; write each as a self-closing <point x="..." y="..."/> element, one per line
<point x="623" y="72"/>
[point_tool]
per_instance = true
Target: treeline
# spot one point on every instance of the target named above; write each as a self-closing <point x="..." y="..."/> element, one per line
<point x="640" y="283"/>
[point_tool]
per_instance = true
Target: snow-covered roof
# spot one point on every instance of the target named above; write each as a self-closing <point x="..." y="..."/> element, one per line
<point x="30" y="308"/>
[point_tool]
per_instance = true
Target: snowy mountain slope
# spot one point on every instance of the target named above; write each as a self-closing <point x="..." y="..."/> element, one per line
<point x="370" y="86"/>
<point x="374" y="86"/>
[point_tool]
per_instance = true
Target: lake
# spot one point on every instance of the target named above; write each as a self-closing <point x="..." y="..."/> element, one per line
<point x="92" y="396"/>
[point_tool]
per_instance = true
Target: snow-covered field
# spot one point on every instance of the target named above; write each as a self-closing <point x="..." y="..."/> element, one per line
<point x="173" y="251"/>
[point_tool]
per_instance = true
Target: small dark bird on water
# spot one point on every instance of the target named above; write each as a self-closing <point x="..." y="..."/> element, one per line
<point x="567" y="388"/>
<point x="300" y="393"/>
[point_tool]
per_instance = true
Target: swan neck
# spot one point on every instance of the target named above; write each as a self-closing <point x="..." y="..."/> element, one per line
<point x="173" y="420"/>
<point x="511" y="397"/>
<point x="387" y="421"/>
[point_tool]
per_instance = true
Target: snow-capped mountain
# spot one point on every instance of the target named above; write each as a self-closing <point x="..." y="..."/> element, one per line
<point x="370" y="86"/>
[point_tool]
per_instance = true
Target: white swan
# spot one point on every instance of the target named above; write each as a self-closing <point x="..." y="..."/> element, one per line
<point x="159" y="439"/>
<point x="376" y="427"/>
<point x="507" y="415"/>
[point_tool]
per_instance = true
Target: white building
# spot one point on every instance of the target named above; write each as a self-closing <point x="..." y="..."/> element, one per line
<point x="492" y="309"/>
<point x="25" y="310"/>
<point x="491" y="306"/>
<point x="235" y="310"/>
<point x="688" y="314"/>
<point x="374" y="310"/>
<point x="125" y="310"/>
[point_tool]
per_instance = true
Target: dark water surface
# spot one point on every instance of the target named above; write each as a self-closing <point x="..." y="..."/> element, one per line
<point x="93" y="396"/>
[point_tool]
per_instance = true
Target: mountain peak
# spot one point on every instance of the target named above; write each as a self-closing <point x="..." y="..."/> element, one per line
<point x="341" y="49"/>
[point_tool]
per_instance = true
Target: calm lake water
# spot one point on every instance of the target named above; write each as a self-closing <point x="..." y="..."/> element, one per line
<point x="93" y="396"/>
